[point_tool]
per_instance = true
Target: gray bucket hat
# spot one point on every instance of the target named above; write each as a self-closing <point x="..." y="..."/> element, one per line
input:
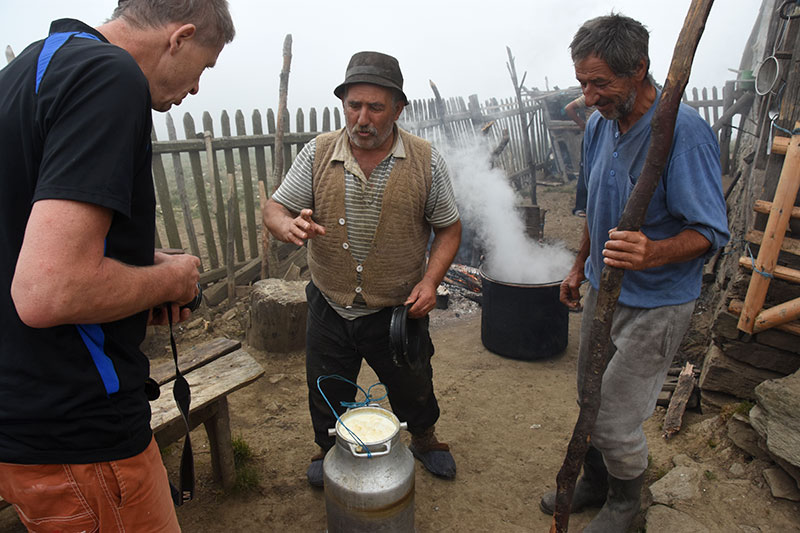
<point x="375" y="68"/>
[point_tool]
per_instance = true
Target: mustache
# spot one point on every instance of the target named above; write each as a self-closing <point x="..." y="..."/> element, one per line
<point x="364" y="129"/>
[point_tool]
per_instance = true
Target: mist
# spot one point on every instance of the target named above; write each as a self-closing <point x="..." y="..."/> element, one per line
<point x="488" y="206"/>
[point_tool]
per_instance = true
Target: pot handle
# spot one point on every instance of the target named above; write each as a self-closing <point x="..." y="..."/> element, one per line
<point x="354" y="449"/>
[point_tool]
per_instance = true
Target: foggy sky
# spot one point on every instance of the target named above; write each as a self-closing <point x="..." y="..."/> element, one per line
<point x="460" y="45"/>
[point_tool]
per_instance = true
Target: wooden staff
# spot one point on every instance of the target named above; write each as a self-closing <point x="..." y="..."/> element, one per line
<point x="600" y="346"/>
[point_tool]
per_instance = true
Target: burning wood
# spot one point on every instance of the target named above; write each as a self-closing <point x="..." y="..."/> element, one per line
<point x="463" y="276"/>
<point x="464" y="280"/>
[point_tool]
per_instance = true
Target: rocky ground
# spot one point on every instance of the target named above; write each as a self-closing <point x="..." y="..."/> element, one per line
<point x="507" y="421"/>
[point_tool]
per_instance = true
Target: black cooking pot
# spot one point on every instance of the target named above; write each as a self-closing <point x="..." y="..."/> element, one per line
<point x="523" y="321"/>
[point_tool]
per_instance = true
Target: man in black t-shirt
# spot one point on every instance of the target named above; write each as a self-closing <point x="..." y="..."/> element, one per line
<point x="79" y="280"/>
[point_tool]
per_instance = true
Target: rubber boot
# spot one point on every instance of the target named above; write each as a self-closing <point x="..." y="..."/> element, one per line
<point x="590" y="490"/>
<point x="622" y="506"/>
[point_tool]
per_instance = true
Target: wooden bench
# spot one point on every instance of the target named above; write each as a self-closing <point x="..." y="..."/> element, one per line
<point x="213" y="371"/>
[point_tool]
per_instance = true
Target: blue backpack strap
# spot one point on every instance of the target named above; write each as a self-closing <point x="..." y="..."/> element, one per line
<point x="51" y="46"/>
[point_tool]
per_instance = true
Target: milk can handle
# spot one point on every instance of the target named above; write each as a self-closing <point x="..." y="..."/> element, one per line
<point x="354" y="450"/>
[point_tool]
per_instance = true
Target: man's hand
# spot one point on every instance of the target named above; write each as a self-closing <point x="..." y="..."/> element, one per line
<point x="423" y="298"/>
<point x="159" y="317"/>
<point x="629" y="250"/>
<point x="186" y="270"/>
<point x="633" y="250"/>
<point x="569" y="292"/>
<point x="291" y="229"/>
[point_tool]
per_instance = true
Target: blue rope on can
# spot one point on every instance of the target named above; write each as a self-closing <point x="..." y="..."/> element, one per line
<point x="368" y="399"/>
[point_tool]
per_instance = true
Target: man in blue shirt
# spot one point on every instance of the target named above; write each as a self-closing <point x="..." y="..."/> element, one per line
<point x="686" y="221"/>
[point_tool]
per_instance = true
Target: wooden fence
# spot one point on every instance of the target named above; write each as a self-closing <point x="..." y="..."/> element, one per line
<point x="192" y="174"/>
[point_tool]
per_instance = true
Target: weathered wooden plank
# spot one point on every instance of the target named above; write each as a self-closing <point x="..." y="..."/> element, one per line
<point x="164" y="200"/>
<point x="337" y="119"/>
<point x="235" y="219"/>
<point x="326" y="119"/>
<point x="272" y="130"/>
<point x="244" y="275"/>
<point x="221" y="143"/>
<point x="200" y="190"/>
<point x="180" y="183"/>
<point x="207" y="383"/>
<point x="247" y="188"/>
<point x="261" y="158"/>
<point x="677" y="405"/>
<point x="215" y="182"/>
<point x="163" y="370"/>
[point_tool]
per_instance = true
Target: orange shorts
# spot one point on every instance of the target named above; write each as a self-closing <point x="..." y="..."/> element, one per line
<point x="129" y="495"/>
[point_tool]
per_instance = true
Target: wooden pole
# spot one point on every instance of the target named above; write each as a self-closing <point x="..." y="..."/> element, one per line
<point x="779" y="214"/>
<point x="278" y="164"/>
<point x="523" y="121"/>
<point x="600" y="346"/>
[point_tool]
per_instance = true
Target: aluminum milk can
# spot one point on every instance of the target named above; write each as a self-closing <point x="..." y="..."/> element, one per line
<point x="369" y="492"/>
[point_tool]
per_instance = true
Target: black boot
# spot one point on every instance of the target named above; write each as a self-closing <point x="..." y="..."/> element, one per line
<point x="591" y="488"/>
<point x="622" y="505"/>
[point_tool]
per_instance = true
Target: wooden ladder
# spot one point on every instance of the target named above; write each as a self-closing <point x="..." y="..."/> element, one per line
<point x="754" y="317"/>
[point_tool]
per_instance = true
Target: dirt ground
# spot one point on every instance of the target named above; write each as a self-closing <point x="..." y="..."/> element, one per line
<point x="507" y="421"/>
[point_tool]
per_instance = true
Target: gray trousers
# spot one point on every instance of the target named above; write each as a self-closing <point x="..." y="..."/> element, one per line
<point x="646" y="341"/>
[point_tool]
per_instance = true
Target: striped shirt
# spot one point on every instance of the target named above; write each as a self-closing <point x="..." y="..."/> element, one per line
<point x="363" y="200"/>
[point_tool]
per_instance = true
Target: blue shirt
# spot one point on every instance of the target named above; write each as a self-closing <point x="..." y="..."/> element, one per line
<point x="688" y="196"/>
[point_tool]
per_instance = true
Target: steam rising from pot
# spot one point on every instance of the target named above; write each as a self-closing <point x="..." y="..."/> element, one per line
<point x="487" y="204"/>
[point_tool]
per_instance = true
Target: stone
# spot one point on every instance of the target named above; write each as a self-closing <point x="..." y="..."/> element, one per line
<point x="778" y="418"/>
<point x="663" y="519"/>
<point x="277" y="317"/>
<point x="725" y="374"/>
<point x="762" y="356"/>
<point x="745" y="437"/>
<point x="680" y="484"/>
<point x="781" y="484"/>
<point x="737" y="470"/>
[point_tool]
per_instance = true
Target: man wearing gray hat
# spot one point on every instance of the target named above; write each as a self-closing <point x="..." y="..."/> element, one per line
<point x="366" y="198"/>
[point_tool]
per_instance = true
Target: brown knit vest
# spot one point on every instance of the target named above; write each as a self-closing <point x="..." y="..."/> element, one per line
<point x="396" y="260"/>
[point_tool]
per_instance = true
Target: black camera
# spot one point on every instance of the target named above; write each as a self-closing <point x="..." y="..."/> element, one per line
<point x="194" y="304"/>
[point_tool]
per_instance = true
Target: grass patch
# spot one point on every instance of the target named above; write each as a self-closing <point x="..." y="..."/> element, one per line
<point x="247" y="477"/>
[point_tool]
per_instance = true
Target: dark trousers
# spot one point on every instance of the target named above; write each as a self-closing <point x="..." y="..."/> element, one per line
<point x="335" y="345"/>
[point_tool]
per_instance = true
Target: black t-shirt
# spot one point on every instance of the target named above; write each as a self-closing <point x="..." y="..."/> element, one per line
<point x="78" y="129"/>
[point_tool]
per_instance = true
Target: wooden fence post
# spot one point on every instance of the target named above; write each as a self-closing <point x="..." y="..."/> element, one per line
<point x="200" y="190"/>
<point x="164" y="200"/>
<point x="235" y="222"/>
<point x="188" y="219"/>
<point x="247" y="188"/>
